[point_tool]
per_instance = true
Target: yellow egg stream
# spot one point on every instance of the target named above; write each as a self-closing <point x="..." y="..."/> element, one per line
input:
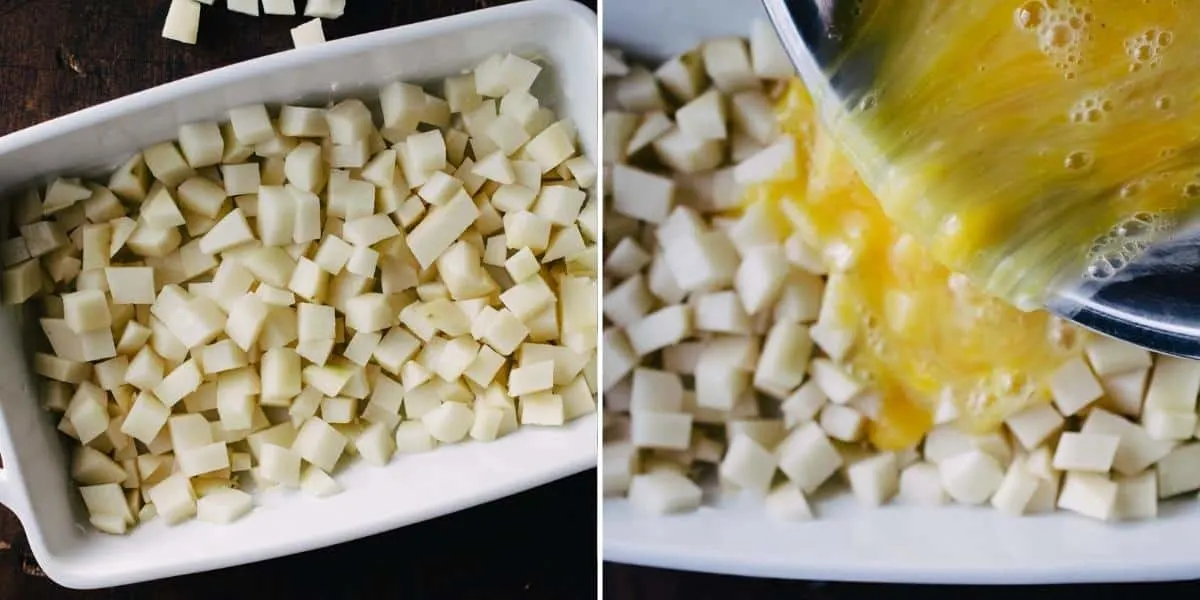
<point x="1032" y="145"/>
<point x="923" y="332"/>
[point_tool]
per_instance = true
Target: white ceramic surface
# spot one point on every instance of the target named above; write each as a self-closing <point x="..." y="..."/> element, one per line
<point x="896" y="543"/>
<point x="34" y="481"/>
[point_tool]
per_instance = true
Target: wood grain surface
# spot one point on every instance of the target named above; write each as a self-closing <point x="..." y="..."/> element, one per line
<point x="58" y="56"/>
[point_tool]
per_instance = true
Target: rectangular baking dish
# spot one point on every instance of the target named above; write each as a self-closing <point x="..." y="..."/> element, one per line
<point x="952" y="544"/>
<point x="34" y="480"/>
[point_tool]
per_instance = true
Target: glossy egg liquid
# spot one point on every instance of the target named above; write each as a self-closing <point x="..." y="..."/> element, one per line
<point x="923" y="334"/>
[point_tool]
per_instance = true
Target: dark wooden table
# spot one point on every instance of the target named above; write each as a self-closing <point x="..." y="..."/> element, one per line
<point x="624" y="582"/>
<point x="57" y="56"/>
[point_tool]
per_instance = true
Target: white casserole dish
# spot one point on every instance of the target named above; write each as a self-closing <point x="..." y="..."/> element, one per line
<point x="953" y="544"/>
<point x="34" y="481"/>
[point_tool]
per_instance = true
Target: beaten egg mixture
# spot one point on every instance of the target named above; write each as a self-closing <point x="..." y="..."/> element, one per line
<point x="922" y="333"/>
<point x="1032" y="145"/>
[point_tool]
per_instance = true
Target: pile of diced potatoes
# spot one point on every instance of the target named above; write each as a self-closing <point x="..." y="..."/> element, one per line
<point x="263" y="298"/>
<point x="721" y="367"/>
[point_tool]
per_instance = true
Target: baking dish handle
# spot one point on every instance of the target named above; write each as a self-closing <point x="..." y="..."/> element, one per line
<point x="6" y="495"/>
<point x="10" y="496"/>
